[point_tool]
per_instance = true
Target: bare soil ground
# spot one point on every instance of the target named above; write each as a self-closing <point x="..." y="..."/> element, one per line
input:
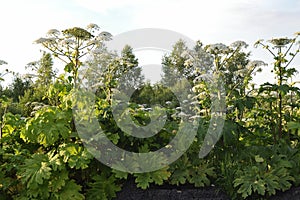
<point x="188" y="192"/>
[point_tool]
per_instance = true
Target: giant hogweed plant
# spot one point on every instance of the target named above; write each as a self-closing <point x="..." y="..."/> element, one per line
<point x="273" y="113"/>
<point x="232" y="65"/>
<point x="72" y="44"/>
<point x="283" y="91"/>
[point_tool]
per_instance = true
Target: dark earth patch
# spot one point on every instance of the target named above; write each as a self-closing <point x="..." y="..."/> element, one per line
<point x="188" y="192"/>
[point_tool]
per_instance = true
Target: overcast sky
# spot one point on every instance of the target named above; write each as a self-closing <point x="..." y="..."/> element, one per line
<point x="212" y="21"/>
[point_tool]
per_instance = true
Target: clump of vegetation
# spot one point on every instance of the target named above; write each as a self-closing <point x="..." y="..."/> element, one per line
<point x="257" y="154"/>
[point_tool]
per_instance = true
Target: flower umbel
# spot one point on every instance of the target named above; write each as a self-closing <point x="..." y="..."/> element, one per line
<point x="217" y="48"/>
<point x="257" y="63"/>
<point x="239" y="44"/>
<point x="2" y="62"/>
<point x="280" y="42"/>
<point x="40" y="40"/>
<point x="106" y="36"/>
<point x="93" y="26"/>
<point x="53" y="32"/>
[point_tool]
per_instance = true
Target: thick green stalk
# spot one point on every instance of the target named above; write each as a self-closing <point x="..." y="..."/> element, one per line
<point x="280" y="78"/>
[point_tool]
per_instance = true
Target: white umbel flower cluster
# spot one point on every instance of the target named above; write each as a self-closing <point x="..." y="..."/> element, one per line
<point x="53" y="32"/>
<point x="45" y="40"/>
<point x="257" y="63"/>
<point x="217" y="48"/>
<point x="104" y="35"/>
<point x="250" y="68"/>
<point x="93" y="26"/>
<point x="2" y="62"/>
<point x="239" y="44"/>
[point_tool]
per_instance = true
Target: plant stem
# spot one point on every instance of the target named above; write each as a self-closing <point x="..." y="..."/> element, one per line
<point x="280" y="95"/>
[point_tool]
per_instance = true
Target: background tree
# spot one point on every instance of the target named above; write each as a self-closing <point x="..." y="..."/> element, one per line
<point x="18" y="87"/>
<point x="107" y="71"/>
<point x="187" y="63"/>
<point x="130" y="73"/>
<point x="42" y="79"/>
<point x="44" y="70"/>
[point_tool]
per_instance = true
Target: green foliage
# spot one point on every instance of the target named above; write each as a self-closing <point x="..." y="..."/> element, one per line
<point x="36" y="170"/>
<point x="143" y="180"/>
<point x="42" y="157"/>
<point x="45" y="177"/>
<point x="75" y="155"/>
<point x="44" y="71"/>
<point x="18" y="88"/>
<point x="70" y="45"/>
<point x="109" y="71"/>
<point x="262" y="178"/>
<point x="12" y="154"/>
<point x="184" y="171"/>
<point x="294" y="126"/>
<point x="70" y="191"/>
<point x="103" y="187"/>
<point x="47" y="127"/>
<point x="283" y="53"/>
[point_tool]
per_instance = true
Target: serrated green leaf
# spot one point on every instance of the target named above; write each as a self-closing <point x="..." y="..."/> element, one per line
<point x="58" y="180"/>
<point x="271" y="183"/>
<point x="103" y="187"/>
<point x="120" y="174"/>
<point x="245" y="189"/>
<point x="75" y="155"/>
<point x="36" y="170"/>
<point x="259" y="187"/>
<point x="143" y="180"/>
<point x="47" y="126"/>
<point x="179" y="176"/>
<point x="55" y="161"/>
<point x="71" y="191"/>
<point x="160" y="176"/>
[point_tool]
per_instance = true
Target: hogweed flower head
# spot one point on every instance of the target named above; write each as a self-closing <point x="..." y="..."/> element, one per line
<point x="297" y="33"/>
<point x="32" y="64"/>
<point x="92" y="26"/>
<point x="257" y="63"/>
<point x="280" y="42"/>
<point x="2" y="62"/>
<point x="239" y="44"/>
<point x="106" y="36"/>
<point x="45" y="40"/>
<point x="40" y="40"/>
<point x="53" y="32"/>
<point x="78" y="33"/>
<point x="217" y="48"/>
<point x="258" y="42"/>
